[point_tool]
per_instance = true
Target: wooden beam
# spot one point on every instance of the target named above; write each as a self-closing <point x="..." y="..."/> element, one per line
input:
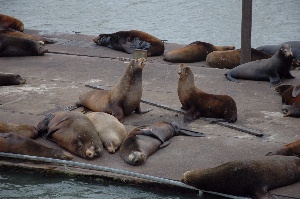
<point x="246" y="31"/>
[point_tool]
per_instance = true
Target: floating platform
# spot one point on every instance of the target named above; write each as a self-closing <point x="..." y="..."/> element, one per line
<point x="55" y="81"/>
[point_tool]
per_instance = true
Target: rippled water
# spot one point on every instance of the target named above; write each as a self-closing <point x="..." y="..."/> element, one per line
<point x="36" y="185"/>
<point x="178" y="21"/>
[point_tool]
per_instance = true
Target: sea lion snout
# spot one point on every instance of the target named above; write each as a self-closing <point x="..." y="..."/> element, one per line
<point x="92" y="152"/>
<point x="287" y="50"/>
<point x="137" y="158"/>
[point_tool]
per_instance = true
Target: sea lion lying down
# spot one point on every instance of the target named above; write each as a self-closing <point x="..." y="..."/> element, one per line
<point x="252" y="178"/>
<point x="14" y="143"/>
<point x="145" y="140"/>
<point x="73" y="131"/>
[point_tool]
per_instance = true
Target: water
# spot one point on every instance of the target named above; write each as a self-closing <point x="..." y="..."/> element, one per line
<point x="178" y="21"/>
<point x="24" y="185"/>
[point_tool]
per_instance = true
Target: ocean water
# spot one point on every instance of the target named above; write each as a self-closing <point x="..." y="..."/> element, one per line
<point x="178" y="21"/>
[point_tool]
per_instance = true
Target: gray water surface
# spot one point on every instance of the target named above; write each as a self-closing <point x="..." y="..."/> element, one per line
<point x="178" y="21"/>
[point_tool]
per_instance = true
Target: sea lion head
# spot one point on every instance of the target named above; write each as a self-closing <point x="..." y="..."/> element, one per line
<point x="136" y="158"/>
<point x="89" y="150"/>
<point x="18" y="79"/>
<point x="185" y="72"/>
<point x="286" y="51"/>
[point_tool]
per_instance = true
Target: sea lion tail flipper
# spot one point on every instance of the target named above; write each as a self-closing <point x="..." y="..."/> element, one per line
<point x="230" y="78"/>
<point x="128" y="47"/>
<point x="43" y="125"/>
<point x="164" y="144"/>
<point x="139" y="111"/>
<point x="188" y="132"/>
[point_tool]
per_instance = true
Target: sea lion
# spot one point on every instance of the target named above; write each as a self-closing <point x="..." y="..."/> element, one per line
<point x="11" y="79"/>
<point x="198" y="103"/>
<point x="128" y="41"/>
<point x="109" y="129"/>
<point x="14" y="33"/>
<point x="20" y="129"/>
<point x="7" y="22"/>
<point x="246" y="178"/>
<point x="14" y="143"/>
<point x="289" y="93"/>
<point x="291" y="149"/>
<point x="194" y="52"/>
<point x="272" y="69"/>
<point x="15" y="46"/>
<point x="231" y="58"/>
<point x="272" y="49"/>
<point x="123" y="99"/>
<point x="145" y="140"/>
<point x="290" y="98"/>
<point x="73" y="131"/>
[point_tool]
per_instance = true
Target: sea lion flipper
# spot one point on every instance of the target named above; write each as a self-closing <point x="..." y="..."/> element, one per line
<point x="274" y="79"/>
<point x="128" y="47"/>
<point x="296" y="91"/>
<point x="188" y="132"/>
<point x="138" y="110"/>
<point x="164" y="144"/>
<point x="43" y="125"/>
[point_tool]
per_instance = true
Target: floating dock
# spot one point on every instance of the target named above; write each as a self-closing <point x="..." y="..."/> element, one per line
<point x="55" y="81"/>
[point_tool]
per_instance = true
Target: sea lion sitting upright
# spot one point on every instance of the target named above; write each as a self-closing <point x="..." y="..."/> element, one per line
<point x="123" y="99"/>
<point x="291" y="99"/>
<point x="145" y="140"/>
<point x="20" y="129"/>
<point x="194" y="52"/>
<point x="198" y="103"/>
<point x="15" y="46"/>
<point x="246" y="178"/>
<point x="11" y="79"/>
<point x="73" y="131"/>
<point x="128" y="41"/>
<point x="272" y="69"/>
<point x="231" y="58"/>
<point x="7" y="22"/>
<point x="110" y="130"/>
<point x="291" y="149"/>
<point x="14" y="143"/>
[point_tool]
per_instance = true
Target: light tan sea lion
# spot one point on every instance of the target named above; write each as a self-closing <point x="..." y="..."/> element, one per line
<point x="73" y="131"/>
<point x="14" y="33"/>
<point x="123" y="99"/>
<point x="198" y="103"/>
<point x="110" y="130"/>
<point x="14" y="143"/>
<point x="291" y="149"/>
<point x="246" y="178"/>
<point x="194" y="52"/>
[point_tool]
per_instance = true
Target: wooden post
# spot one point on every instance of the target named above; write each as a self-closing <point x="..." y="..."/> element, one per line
<point x="246" y="31"/>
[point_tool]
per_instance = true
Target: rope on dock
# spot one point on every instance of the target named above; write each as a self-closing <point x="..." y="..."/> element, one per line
<point x="111" y="170"/>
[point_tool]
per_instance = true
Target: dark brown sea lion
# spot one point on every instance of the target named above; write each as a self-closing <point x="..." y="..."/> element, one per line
<point x="14" y="33"/>
<point x="111" y="132"/>
<point x="73" y="131"/>
<point x="291" y="149"/>
<point x="272" y="69"/>
<point x="20" y="129"/>
<point x="128" y="41"/>
<point x="194" y="52"/>
<point x="123" y="99"/>
<point x="7" y="22"/>
<point x="198" y="103"/>
<point x="252" y="178"/>
<point x="15" y="46"/>
<point x="231" y="58"/>
<point x="11" y="79"/>
<point x="145" y="140"/>
<point x="14" y="143"/>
